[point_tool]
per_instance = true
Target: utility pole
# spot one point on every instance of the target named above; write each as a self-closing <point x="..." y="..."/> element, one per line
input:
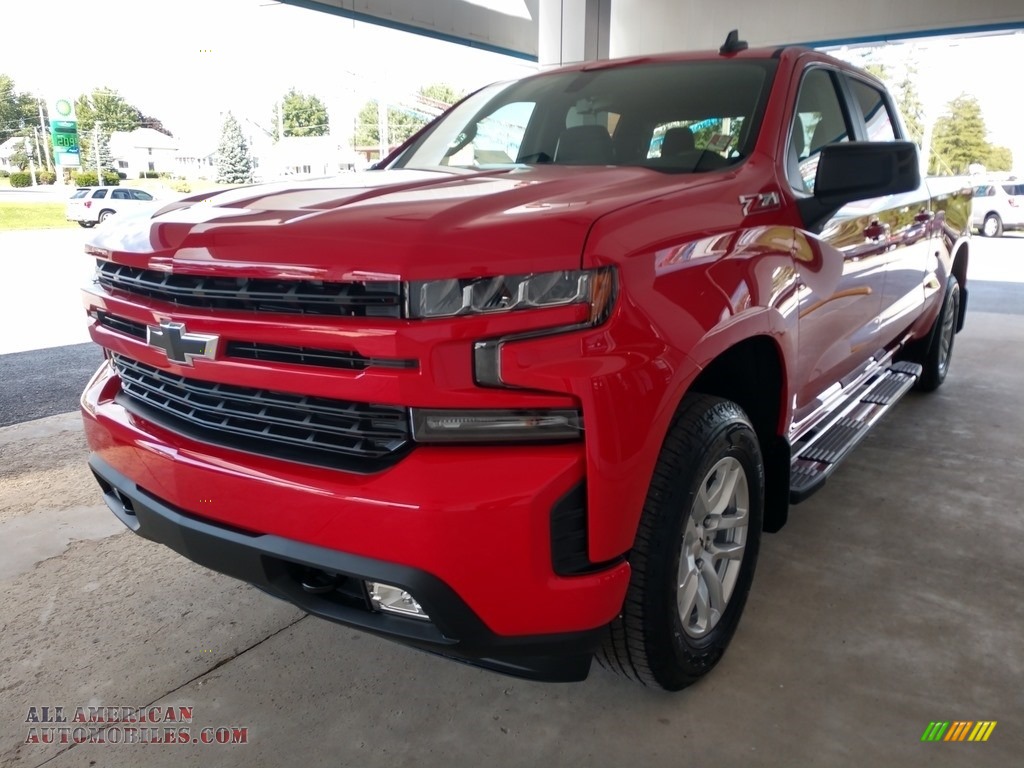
<point x="96" y="150"/>
<point x="39" y="155"/>
<point x="382" y="128"/>
<point x="31" y="164"/>
<point x="280" y="120"/>
<point x="42" y="131"/>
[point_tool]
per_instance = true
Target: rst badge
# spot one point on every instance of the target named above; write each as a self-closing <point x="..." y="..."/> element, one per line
<point x="180" y="345"/>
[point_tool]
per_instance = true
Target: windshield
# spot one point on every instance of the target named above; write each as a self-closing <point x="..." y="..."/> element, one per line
<point x="690" y="116"/>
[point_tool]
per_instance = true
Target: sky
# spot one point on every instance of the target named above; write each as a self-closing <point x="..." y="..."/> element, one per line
<point x="207" y="56"/>
<point x="204" y="57"/>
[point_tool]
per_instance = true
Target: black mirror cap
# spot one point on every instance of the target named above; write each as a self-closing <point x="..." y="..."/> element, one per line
<point x="859" y="170"/>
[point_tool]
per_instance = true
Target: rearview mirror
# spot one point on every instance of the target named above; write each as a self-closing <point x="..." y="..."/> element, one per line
<point x="859" y="170"/>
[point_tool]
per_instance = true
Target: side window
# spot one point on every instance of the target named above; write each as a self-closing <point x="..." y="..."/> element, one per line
<point x="819" y="120"/>
<point x="99" y="194"/>
<point x="120" y="194"/>
<point x="138" y="194"/>
<point x="876" y="113"/>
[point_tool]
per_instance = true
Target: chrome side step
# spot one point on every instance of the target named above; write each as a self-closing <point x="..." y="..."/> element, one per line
<point x="815" y="458"/>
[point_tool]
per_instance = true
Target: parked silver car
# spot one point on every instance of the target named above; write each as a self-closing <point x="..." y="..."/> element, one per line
<point x="91" y="205"/>
<point x="998" y="207"/>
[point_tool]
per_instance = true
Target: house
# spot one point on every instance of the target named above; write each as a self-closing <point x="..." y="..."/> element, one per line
<point x="196" y="161"/>
<point x="143" y="149"/>
<point x="7" y="151"/>
<point x="304" y="157"/>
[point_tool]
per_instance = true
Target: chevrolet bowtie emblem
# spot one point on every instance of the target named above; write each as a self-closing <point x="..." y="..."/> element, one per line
<point x="180" y="345"/>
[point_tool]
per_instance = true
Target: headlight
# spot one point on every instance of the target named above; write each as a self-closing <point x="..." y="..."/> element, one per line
<point x="474" y="296"/>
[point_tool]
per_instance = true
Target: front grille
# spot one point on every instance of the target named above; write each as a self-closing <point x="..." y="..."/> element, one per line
<point x="360" y="437"/>
<point x="254" y="350"/>
<point x="304" y="297"/>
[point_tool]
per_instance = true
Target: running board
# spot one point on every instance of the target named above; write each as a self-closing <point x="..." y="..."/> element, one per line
<point x="816" y="458"/>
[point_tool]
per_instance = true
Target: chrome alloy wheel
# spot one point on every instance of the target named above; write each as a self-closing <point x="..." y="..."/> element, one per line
<point x="714" y="537"/>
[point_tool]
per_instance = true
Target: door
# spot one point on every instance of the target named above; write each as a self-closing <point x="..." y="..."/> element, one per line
<point x="841" y="269"/>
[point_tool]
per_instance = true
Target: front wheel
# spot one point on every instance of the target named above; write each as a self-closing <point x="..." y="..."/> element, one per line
<point x="87" y="224"/>
<point x="695" y="551"/>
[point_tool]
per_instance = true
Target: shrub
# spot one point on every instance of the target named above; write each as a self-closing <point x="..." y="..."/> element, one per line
<point x="180" y="185"/>
<point x="149" y="175"/>
<point x="4" y="173"/>
<point x="46" y="177"/>
<point x="21" y="179"/>
<point x="122" y="175"/>
<point x="88" y="179"/>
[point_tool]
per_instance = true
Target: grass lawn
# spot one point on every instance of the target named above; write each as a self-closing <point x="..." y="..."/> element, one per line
<point x="33" y="216"/>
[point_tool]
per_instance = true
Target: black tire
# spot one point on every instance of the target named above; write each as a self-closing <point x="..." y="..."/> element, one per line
<point x="992" y="226"/>
<point x="939" y="354"/>
<point x="87" y="224"/>
<point x="104" y="215"/>
<point x="648" y="642"/>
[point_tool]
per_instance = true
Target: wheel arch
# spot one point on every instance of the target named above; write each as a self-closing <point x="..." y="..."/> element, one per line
<point x="751" y="373"/>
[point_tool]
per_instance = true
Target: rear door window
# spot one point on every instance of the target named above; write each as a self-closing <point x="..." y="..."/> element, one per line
<point x="876" y="113"/>
<point x="99" y="194"/>
<point x="121" y="194"/>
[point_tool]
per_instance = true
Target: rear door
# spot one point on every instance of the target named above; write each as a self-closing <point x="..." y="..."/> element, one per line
<point x="906" y="219"/>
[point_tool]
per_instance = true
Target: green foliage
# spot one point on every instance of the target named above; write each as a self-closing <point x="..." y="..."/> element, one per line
<point x="21" y="179"/>
<point x="89" y="151"/>
<point x="234" y="163"/>
<point x="46" y="177"/>
<point x="88" y="179"/>
<point x="402" y="123"/>
<point x="302" y="116"/>
<point x="149" y="174"/>
<point x="110" y="108"/>
<point x="960" y="139"/>
<point x="4" y="173"/>
<point x="181" y="185"/>
<point x="20" y="157"/>
<point x="17" y="110"/>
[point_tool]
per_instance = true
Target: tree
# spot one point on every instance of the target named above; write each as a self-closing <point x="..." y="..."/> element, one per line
<point x="109" y="108"/>
<point x="234" y="163"/>
<point x="999" y="159"/>
<point x="147" y="121"/>
<point x="20" y="156"/>
<point x="302" y="115"/>
<point x="18" y="111"/>
<point x="960" y="138"/>
<point x="89" y="151"/>
<point x="403" y="119"/>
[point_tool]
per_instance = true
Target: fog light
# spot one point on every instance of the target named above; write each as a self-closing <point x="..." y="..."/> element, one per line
<point x="389" y="599"/>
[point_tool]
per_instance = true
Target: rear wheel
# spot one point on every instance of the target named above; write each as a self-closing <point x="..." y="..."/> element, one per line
<point x="104" y="215"/>
<point x="992" y="226"/>
<point x="940" y="350"/>
<point x="695" y="551"/>
<point x="87" y="224"/>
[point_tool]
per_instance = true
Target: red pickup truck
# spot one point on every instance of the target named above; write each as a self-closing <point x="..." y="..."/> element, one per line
<point x="530" y="391"/>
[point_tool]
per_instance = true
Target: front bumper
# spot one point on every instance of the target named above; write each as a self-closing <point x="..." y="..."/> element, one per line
<point x="278" y="566"/>
<point x="467" y="531"/>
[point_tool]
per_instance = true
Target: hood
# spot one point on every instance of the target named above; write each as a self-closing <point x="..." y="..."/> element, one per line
<point x="387" y="225"/>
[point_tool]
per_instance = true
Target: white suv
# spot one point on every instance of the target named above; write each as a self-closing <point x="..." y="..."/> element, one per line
<point x="998" y="207"/>
<point x="90" y="205"/>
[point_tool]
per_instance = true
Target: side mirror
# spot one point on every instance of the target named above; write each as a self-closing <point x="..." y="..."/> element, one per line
<point x="857" y="171"/>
